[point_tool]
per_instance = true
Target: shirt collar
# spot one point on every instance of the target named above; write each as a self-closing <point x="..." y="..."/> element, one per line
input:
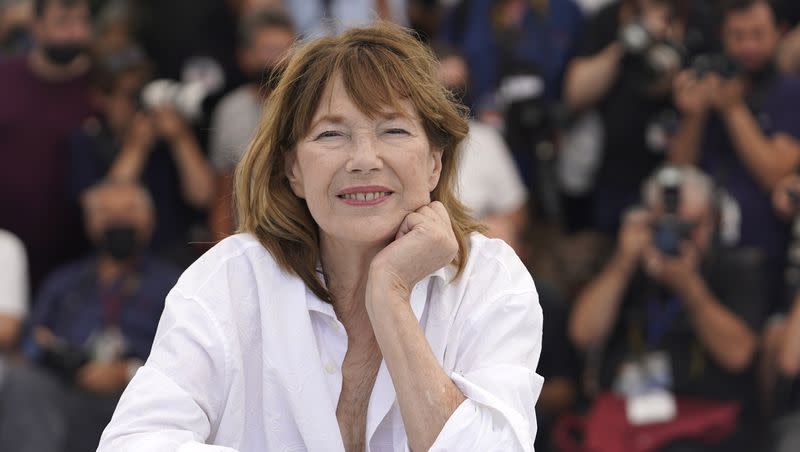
<point x="419" y="295"/>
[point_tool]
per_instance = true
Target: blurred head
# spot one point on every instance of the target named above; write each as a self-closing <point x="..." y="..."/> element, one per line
<point x="265" y="38"/>
<point x="696" y="201"/>
<point x="662" y="18"/>
<point x="116" y="80"/>
<point x="453" y="70"/>
<point x="119" y="218"/>
<point x="62" y="29"/>
<point x="358" y="133"/>
<point x="750" y="33"/>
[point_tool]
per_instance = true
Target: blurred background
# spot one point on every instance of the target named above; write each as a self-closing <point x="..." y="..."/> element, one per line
<point x="641" y="156"/>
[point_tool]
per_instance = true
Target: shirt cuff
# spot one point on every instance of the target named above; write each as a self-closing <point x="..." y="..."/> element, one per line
<point x="194" y="446"/>
<point x="499" y="427"/>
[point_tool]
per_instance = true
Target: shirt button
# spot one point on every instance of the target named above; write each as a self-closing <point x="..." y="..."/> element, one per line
<point x="330" y="368"/>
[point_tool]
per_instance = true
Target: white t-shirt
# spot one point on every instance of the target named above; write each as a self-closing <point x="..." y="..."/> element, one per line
<point x="232" y="127"/>
<point x="488" y="180"/>
<point x="13" y="277"/>
<point x="246" y="358"/>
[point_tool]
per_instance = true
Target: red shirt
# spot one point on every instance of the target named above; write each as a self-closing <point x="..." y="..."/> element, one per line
<point x="37" y="118"/>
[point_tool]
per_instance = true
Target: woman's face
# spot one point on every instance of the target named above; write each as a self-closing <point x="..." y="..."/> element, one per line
<point x="361" y="176"/>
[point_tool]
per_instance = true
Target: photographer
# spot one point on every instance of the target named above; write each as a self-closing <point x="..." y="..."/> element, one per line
<point x="781" y="356"/>
<point x="668" y="290"/>
<point x="623" y="68"/>
<point x="265" y="35"/>
<point x="739" y="123"/>
<point x="152" y="145"/>
<point x="92" y="326"/>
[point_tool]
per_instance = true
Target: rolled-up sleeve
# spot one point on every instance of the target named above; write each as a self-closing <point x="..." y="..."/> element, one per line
<point x="171" y="403"/>
<point x="496" y="358"/>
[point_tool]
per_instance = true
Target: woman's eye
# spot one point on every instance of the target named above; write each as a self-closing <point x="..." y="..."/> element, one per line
<point x="397" y="132"/>
<point x="329" y="134"/>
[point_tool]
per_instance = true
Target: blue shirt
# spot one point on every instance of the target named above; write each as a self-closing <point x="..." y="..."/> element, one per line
<point x="777" y="112"/>
<point x="73" y="305"/>
<point x="547" y="40"/>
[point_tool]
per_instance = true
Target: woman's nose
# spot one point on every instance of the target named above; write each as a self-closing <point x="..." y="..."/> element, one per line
<point x="364" y="155"/>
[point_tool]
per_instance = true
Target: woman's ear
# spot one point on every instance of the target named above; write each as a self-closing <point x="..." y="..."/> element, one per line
<point x="436" y="169"/>
<point x="293" y="173"/>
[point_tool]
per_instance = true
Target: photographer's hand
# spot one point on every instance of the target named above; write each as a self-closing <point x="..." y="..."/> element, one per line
<point x="726" y="94"/>
<point x="786" y="196"/>
<point x="675" y="272"/>
<point x="136" y="147"/>
<point x="634" y="236"/>
<point x="691" y="94"/>
<point x="103" y="377"/>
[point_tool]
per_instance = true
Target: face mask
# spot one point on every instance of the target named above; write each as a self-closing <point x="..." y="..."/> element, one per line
<point x="120" y="242"/>
<point x="63" y="54"/>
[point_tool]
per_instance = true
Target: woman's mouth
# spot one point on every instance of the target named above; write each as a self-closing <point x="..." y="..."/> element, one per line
<point x="365" y="198"/>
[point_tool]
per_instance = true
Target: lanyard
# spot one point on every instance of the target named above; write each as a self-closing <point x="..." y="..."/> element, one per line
<point x="115" y="296"/>
<point x="660" y="316"/>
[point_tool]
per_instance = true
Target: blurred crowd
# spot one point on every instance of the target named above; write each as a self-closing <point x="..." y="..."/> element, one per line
<point x="641" y="156"/>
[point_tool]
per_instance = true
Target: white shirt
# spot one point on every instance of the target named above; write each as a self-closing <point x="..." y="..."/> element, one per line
<point x="488" y="180"/>
<point x="232" y="126"/>
<point x="246" y="358"/>
<point x="14" y="277"/>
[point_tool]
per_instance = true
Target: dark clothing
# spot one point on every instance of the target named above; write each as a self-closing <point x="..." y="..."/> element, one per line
<point x="652" y="319"/>
<point x="776" y="105"/>
<point x="74" y="306"/>
<point x="37" y="118"/>
<point x="628" y="114"/>
<point x="93" y="150"/>
<point x="40" y="413"/>
<point x="544" y="40"/>
<point x="558" y="359"/>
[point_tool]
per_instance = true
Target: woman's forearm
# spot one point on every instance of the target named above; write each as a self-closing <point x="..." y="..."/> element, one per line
<point x="426" y="395"/>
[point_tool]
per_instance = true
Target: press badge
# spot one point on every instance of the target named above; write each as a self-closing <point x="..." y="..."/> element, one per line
<point x="646" y="384"/>
<point x="106" y="345"/>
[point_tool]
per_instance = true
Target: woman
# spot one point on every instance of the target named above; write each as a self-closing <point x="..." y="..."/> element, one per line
<point x="359" y="309"/>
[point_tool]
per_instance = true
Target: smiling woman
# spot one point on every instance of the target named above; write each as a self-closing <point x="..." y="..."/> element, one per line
<point x="359" y="308"/>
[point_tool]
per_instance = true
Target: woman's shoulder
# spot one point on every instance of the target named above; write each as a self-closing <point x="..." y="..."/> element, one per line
<point x="493" y="263"/>
<point x="233" y="262"/>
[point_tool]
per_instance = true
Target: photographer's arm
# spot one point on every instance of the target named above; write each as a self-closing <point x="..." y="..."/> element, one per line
<point x="789" y="352"/>
<point x="692" y="100"/>
<point x="769" y="159"/>
<point x="197" y="177"/>
<point x="726" y="337"/>
<point x="588" y="79"/>
<point x="598" y="305"/>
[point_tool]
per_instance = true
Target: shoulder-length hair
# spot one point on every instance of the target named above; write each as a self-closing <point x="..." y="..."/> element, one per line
<point x="379" y="66"/>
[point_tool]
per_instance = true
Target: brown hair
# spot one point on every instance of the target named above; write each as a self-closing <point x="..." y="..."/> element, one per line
<point x="379" y="66"/>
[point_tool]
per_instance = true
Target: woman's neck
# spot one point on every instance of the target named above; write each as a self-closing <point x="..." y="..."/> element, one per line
<point x="346" y="268"/>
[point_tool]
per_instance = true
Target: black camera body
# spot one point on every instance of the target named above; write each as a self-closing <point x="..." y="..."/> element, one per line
<point x="652" y="57"/>
<point x="717" y="63"/>
<point x="670" y="231"/>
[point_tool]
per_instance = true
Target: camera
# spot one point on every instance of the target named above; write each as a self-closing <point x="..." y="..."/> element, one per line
<point x="717" y="63"/>
<point x="653" y="57"/>
<point x="186" y="98"/>
<point x="670" y="230"/>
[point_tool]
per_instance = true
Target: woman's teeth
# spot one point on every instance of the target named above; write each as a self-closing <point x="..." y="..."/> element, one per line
<point x="364" y="196"/>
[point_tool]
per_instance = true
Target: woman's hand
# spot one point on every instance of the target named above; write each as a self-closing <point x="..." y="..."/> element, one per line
<point x="425" y="242"/>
